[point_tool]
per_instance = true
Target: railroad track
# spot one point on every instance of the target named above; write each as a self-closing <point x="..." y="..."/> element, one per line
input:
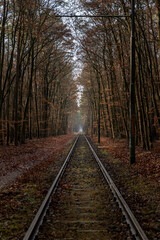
<point x="81" y="205"/>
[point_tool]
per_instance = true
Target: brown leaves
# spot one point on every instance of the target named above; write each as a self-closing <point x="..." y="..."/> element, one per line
<point x="15" y="161"/>
<point x="147" y="162"/>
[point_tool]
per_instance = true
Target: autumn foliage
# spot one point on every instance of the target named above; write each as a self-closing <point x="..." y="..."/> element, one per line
<point x="105" y="51"/>
<point x="36" y="84"/>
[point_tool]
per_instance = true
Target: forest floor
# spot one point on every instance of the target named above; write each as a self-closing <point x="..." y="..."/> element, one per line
<point x="138" y="183"/>
<point x="27" y="172"/>
<point x="17" y="160"/>
<point x="147" y="162"/>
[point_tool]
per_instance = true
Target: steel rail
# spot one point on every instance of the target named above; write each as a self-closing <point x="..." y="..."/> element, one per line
<point x="135" y="227"/>
<point x="38" y="219"/>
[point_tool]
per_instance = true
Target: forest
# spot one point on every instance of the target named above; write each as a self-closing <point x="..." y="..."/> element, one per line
<point x="38" y="55"/>
<point x="79" y="119"/>
<point x="37" y="89"/>
<point x="106" y="72"/>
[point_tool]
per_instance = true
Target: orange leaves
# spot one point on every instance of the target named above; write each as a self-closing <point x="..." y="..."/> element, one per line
<point x="73" y="97"/>
<point x="68" y="112"/>
<point x="108" y="90"/>
<point x="49" y="103"/>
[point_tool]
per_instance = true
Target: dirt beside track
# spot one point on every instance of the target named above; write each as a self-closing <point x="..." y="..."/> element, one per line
<point x="139" y="183"/>
<point x="16" y="161"/>
<point x="21" y="198"/>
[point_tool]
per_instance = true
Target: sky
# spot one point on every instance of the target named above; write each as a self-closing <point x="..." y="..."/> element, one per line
<point x="72" y="7"/>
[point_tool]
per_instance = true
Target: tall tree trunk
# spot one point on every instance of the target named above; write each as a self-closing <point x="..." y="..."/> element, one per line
<point x="158" y="19"/>
<point x="17" y="80"/>
<point x="2" y="53"/>
<point x="29" y="93"/>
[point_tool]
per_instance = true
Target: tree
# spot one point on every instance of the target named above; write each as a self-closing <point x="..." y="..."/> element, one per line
<point x="105" y="46"/>
<point x="35" y="69"/>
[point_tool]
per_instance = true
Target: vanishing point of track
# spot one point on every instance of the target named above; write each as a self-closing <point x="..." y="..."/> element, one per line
<point x="82" y="202"/>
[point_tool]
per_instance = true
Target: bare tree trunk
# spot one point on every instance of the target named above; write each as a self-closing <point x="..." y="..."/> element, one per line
<point x="158" y="18"/>
<point x="17" y="80"/>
